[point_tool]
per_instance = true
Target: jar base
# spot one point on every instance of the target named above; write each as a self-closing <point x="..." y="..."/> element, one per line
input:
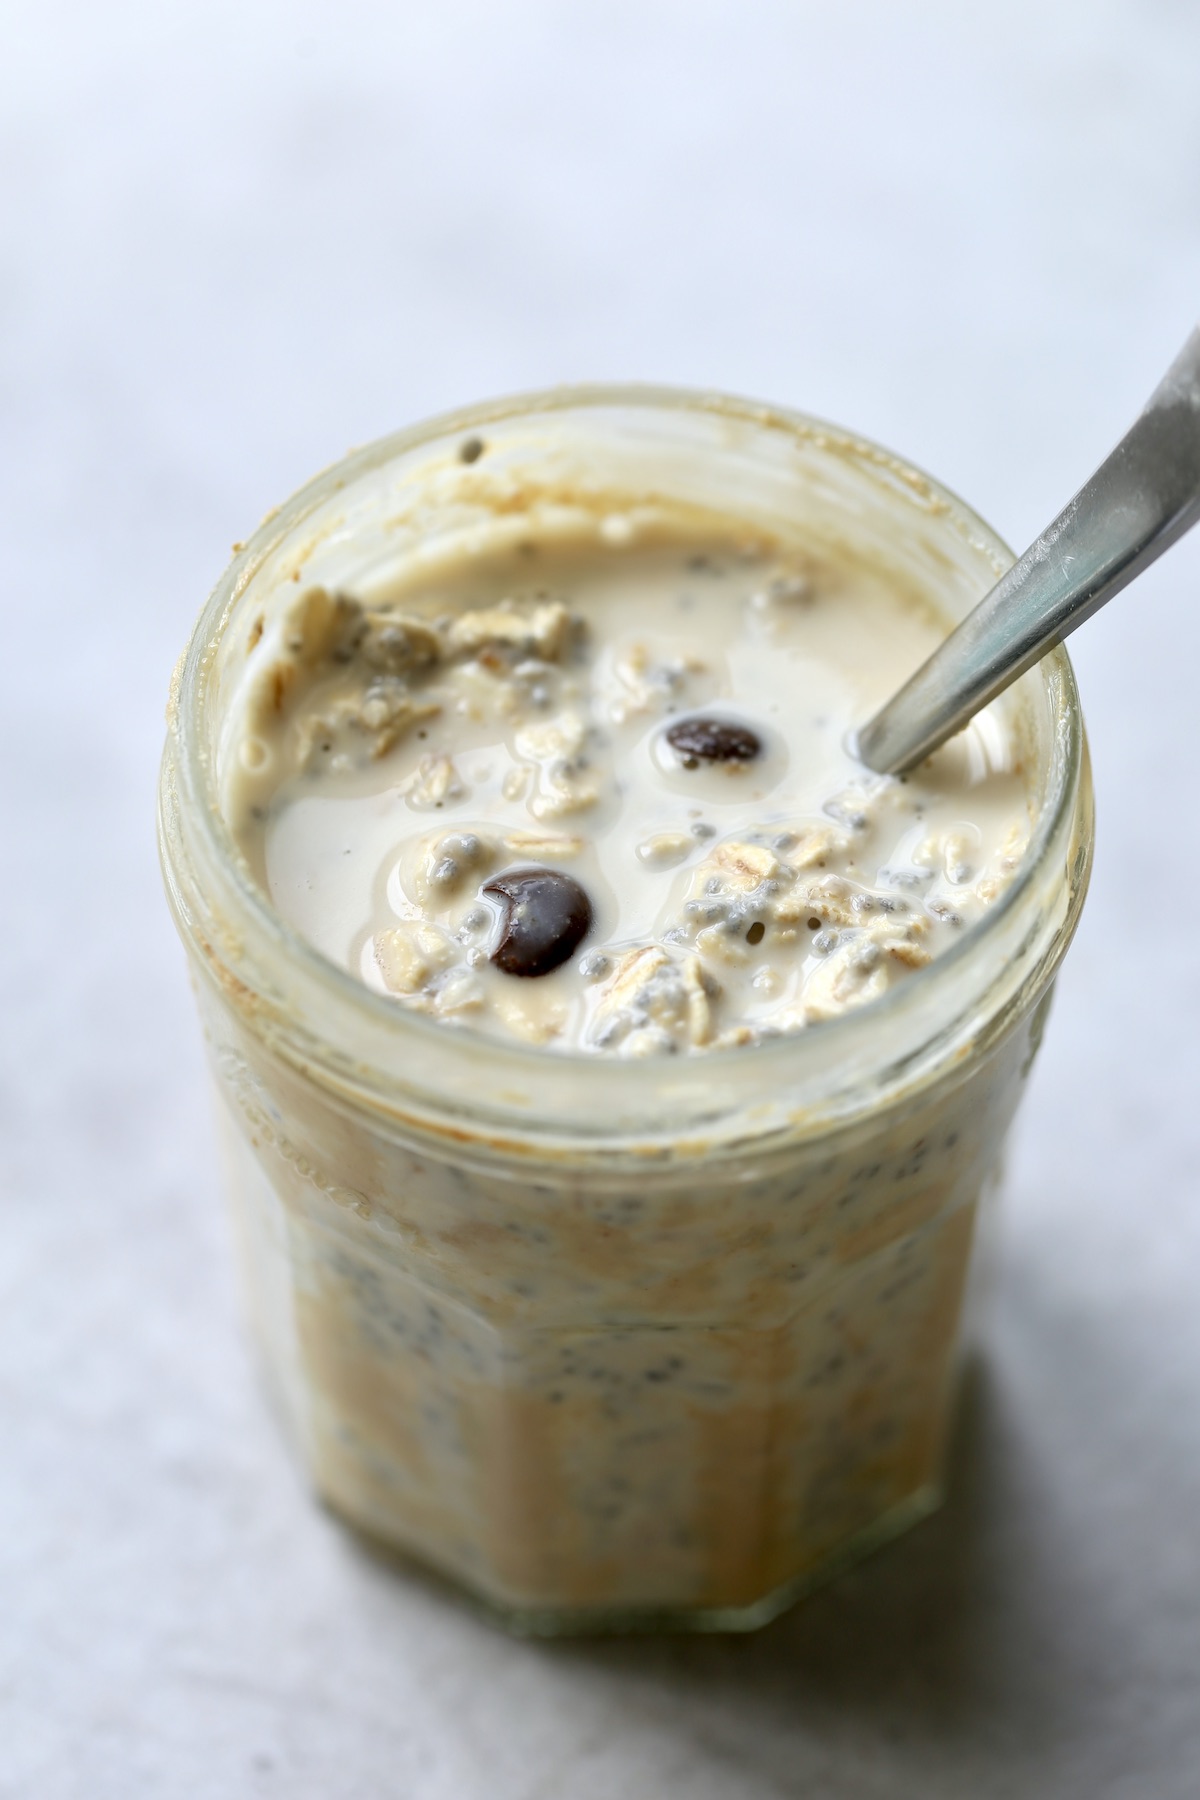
<point x="618" y="1621"/>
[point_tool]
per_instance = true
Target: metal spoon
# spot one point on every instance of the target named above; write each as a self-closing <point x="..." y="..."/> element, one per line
<point x="1137" y="503"/>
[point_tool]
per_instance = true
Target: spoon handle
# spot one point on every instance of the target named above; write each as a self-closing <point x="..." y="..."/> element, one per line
<point x="1137" y="503"/>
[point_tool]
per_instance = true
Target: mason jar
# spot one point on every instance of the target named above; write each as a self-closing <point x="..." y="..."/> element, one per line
<point x="612" y="1344"/>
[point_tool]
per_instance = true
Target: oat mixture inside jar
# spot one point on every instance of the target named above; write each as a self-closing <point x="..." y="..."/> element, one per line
<point x="536" y="739"/>
<point x="594" y="792"/>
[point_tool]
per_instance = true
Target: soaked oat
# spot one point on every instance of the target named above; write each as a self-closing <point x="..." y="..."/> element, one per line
<point x="656" y="726"/>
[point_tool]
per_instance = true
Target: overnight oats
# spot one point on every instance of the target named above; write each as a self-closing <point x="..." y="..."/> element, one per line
<point x="611" y="1068"/>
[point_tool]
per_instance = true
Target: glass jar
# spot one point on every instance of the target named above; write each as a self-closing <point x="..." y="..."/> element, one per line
<point x="612" y="1344"/>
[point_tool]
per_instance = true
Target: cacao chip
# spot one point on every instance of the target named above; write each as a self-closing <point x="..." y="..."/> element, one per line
<point x="546" y="916"/>
<point x="712" y="740"/>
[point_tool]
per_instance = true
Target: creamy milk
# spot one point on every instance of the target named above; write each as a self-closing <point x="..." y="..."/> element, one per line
<point x="523" y="712"/>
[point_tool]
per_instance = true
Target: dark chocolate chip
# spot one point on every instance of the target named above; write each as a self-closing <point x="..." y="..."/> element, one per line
<point x="712" y="740"/>
<point x="546" y="916"/>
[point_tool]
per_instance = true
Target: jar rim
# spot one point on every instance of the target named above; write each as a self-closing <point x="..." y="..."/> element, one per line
<point x="787" y="1059"/>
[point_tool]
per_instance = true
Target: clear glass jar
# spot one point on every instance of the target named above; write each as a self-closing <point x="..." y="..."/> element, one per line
<point x="612" y="1344"/>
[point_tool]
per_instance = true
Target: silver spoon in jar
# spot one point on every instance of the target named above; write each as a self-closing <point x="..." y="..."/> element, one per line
<point x="1139" y="501"/>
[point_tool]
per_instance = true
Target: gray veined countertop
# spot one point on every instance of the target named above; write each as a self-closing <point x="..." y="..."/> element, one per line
<point x="237" y="239"/>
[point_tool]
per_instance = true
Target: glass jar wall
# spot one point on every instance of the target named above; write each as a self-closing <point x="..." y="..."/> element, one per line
<point x="612" y="1344"/>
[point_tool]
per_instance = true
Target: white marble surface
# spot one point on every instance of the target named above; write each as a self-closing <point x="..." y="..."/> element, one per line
<point x="237" y="238"/>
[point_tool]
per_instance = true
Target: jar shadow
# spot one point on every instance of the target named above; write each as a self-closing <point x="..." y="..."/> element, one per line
<point x="920" y="1637"/>
<point x="944" y="1638"/>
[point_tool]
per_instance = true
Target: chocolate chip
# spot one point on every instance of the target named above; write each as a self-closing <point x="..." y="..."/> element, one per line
<point x="470" y="450"/>
<point x="712" y="740"/>
<point x="546" y="915"/>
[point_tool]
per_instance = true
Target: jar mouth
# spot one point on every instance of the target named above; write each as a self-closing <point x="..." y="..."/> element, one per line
<point x="256" y="941"/>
